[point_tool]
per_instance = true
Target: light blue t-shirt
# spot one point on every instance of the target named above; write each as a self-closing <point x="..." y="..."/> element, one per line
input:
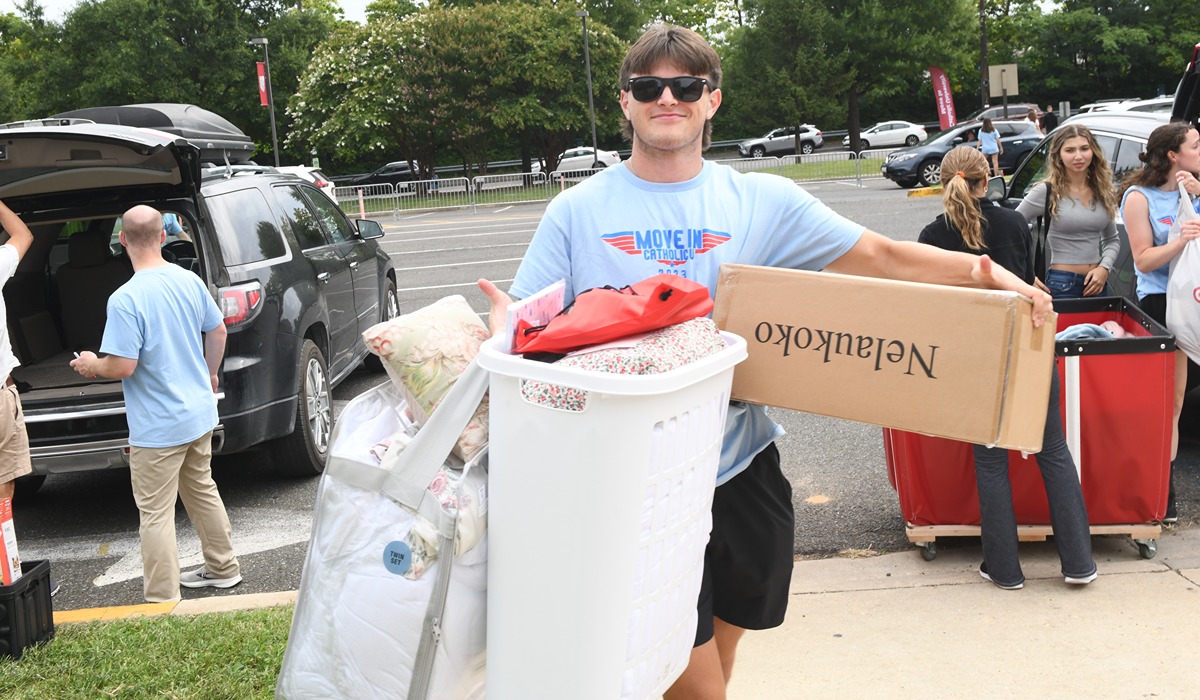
<point x="1164" y="206"/>
<point x="616" y="229"/>
<point x="989" y="141"/>
<point x="156" y="318"/>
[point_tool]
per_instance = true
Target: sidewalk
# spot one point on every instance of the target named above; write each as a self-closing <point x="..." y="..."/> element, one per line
<point x="898" y="627"/>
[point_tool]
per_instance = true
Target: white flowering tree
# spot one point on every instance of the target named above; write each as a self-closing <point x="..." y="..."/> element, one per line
<point x="459" y="80"/>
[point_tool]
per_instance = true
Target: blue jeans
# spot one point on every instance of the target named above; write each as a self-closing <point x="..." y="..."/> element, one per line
<point x="1068" y="285"/>
<point x="1068" y="514"/>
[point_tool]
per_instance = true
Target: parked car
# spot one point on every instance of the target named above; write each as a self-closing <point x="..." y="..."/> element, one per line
<point x="1154" y="104"/>
<point x="313" y="175"/>
<point x="390" y="174"/>
<point x="1016" y="110"/>
<point x="581" y="158"/>
<point x="923" y="163"/>
<point x="886" y="134"/>
<point x="1100" y="105"/>
<point x="296" y="280"/>
<point x="782" y="142"/>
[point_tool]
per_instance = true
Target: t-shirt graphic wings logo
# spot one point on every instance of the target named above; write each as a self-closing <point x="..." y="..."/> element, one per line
<point x="667" y="246"/>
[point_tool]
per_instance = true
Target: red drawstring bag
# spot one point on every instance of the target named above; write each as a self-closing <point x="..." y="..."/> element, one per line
<point x="602" y="314"/>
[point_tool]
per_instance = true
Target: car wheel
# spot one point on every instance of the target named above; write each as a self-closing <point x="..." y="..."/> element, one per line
<point x="931" y="172"/>
<point x="389" y="308"/>
<point x="806" y="147"/>
<point x="912" y="140"/>
<point x="303" y="452"/>
<point x="758" y="152"/>
<point x="864" y="145"/>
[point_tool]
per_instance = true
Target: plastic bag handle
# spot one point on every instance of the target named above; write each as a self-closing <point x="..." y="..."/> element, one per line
<point x="415" y="466"/>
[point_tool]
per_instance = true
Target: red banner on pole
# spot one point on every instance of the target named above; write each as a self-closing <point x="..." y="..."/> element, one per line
<point x="262" y="84"/>
<point x="944" y="97"/>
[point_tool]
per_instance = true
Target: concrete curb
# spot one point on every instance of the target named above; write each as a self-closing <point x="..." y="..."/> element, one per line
<point x="935" y="191"/>
<point x="196" y="606"/>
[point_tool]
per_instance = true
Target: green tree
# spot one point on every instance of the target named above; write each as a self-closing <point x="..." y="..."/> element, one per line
<point x="455" y="80"/>
<point x="812" y="60"/>
<point x="129" y="51"/>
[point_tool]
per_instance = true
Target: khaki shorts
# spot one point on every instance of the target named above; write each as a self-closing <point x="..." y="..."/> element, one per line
<point x="14" y="442"/>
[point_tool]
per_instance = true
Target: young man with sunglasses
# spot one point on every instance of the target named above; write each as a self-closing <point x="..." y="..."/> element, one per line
<point x="687" y="216"/>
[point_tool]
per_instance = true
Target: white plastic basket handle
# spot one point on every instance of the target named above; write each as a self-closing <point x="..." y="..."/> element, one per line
<point x="416" y="465"/>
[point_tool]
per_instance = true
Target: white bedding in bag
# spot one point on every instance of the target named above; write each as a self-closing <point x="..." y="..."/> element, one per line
<point x="357" y="625"/>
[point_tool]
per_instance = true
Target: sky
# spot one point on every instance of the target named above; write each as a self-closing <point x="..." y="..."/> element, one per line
<point x="355" y="10"/>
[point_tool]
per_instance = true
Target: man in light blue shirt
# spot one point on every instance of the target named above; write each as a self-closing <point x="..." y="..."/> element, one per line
<point x="666" y="209"/>
<point x="153" y="344"/>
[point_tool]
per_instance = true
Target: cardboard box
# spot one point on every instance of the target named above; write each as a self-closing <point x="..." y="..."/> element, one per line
<point x="964" y="364"/>
<point x="10" y="561"/>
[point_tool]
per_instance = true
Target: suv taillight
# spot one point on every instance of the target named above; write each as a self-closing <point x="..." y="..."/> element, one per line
<point x="240" y="304"/>
<point x="320" y="183"/>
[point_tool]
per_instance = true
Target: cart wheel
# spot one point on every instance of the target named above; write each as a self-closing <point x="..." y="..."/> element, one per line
<point x="928" y="550"/>
<point x="1147" y="548"/>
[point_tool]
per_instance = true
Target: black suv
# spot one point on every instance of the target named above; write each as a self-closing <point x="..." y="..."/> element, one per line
<point x="296" y="280"/>
<point x="923" y="163"/>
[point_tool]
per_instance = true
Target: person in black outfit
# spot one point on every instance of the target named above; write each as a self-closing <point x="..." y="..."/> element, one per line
<point x="1049" y="120"/>
<point x="973" y="224"/>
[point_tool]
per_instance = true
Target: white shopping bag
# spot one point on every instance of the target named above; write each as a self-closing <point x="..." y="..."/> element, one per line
<point x="1183" y="286"/>
<point x="363" y="628"/>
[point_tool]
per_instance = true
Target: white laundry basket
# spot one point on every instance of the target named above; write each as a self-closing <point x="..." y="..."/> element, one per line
<point x="598" y="521"/>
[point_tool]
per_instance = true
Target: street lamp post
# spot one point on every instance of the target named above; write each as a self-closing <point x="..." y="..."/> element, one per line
<point x="262" y="41"/>
<point x="587" y="61"/>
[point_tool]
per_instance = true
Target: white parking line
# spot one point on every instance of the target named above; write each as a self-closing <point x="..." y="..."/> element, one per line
<point x="455" y="250"/>
<point x="458" y="264"/>
<point x="445" y="286"/>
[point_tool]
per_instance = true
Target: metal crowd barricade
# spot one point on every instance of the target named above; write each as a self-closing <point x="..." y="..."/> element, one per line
<point x="747" y="165"/>
<point x="511" y="188"/>
<point x="870" y="162"/>
<point x="365" y="200"/>
<point x="521" y="188"/>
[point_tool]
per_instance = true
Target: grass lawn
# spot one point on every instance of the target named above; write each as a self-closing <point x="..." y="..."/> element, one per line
<point x="233" y="656"/>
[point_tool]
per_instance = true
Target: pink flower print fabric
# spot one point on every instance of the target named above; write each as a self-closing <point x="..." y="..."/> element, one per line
<point x="425" y="352"/>
<point x="650" y="353"/>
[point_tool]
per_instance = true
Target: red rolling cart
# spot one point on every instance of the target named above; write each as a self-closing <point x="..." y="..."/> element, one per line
<point x="1117" y="411"/>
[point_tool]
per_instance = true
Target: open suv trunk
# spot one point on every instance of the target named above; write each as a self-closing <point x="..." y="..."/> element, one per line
<point x="70" y="187"/>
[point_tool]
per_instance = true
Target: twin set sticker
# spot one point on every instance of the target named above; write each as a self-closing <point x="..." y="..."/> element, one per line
<point x="671" y="247"/>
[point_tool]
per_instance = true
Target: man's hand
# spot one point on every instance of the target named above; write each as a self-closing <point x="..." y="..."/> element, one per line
<point x="499" y="301"/>
<point x="992" y="276"/>
<point x="215" y="381"/>
<point x="84" y="364"/>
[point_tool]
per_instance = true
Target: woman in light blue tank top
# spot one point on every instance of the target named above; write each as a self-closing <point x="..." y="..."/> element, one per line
<point x="990" y="146"/>
<point x="1149" y="206"/>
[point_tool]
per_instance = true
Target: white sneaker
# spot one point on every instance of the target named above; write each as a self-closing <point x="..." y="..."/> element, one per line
<point x="202" y="579"/>
<point x="1081" y="580"/>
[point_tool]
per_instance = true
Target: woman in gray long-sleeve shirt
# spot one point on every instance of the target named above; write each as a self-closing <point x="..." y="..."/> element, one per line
<point x="1082" y="243"/>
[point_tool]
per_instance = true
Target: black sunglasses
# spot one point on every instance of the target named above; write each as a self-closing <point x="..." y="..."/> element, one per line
<point x="685" y="88"/>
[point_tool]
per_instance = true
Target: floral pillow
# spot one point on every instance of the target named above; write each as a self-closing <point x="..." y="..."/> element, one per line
<point x="425" y="352"/>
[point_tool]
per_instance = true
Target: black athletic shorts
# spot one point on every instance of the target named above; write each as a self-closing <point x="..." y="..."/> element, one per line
<point x="748" y="562"/>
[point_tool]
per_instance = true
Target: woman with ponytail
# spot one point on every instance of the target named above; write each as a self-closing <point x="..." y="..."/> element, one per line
<point x="1149" y="203"/>
<point x="972" y="224"/>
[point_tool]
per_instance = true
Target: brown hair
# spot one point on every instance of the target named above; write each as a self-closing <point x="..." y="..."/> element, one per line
<point x="667" y="43"/>
<point x="142" y="226"/>
<point x="987" y="125"/>
<point x="958" y="198"/>
<point x="1156" y="164"/>
<point x="1099" y="174"/>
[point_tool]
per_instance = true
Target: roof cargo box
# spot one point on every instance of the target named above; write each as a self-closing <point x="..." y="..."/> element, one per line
<point x="216" y="138"/>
